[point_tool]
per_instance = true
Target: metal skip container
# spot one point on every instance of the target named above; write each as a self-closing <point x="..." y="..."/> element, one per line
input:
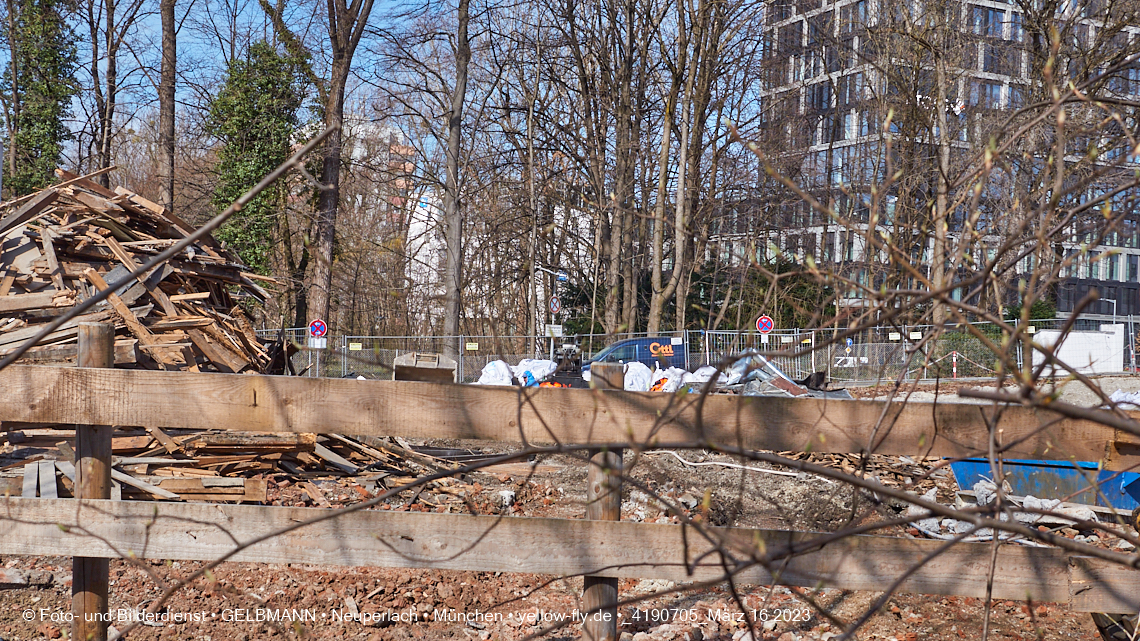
<point x="425" y="366"/>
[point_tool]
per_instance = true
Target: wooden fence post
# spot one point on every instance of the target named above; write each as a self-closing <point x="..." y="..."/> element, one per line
<point x="89" y="576"/>
<point x="603" y="503"/>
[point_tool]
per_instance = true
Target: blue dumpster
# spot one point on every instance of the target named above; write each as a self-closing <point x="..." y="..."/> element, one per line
<point x="1063" y="480"/>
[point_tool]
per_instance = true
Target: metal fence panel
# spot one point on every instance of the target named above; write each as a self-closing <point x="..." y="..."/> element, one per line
<point x="873" y="354"/>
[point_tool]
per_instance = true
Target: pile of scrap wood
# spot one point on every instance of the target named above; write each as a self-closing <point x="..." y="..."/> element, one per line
<point x="915" y="474"/>
<point x="210" y="465"/>
<point x="64" y="243"/>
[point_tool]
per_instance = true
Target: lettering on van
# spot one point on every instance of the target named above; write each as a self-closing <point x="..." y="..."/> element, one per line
<point x="658" y="350"/>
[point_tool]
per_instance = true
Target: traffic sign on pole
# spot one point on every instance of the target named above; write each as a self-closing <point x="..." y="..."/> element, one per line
<point x="555" y="304"/>
<point x="317" y="328"/>
<point x="764" y="324"/>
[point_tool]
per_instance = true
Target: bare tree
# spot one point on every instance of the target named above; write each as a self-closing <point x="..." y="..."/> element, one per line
<point x="453" y="219"/>
<point x="346" y="24"/>
<point x="108" y="28"/>
<point x="166" y="94"/>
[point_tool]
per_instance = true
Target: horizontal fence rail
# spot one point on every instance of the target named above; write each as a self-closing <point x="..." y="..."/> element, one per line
<point x="565" y="547"/>
<point x="59" y="395"/>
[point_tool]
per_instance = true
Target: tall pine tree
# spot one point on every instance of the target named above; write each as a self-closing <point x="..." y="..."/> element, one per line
<point x="37" y="87"/>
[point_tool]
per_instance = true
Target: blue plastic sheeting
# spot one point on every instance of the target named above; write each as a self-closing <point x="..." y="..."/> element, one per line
<point x="1057" y="480"/>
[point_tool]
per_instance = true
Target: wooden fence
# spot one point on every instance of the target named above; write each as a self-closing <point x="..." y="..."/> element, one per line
<point x="158" y="530"/>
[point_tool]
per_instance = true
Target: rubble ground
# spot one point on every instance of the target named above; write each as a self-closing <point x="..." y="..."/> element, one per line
<point x="375" y="603"/>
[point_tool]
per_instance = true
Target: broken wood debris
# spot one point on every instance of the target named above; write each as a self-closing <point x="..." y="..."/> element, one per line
<point x="214" y="465"/>
<point x="63" y="244"/>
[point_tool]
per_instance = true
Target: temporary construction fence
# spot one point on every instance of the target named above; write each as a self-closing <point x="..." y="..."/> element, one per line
<point x="878" y="353"/>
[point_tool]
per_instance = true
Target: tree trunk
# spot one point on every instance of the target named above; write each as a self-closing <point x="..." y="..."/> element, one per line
<point x="941" y="221"/>
<point x="453" y="219"/>
<point x="680" y="218"/>
<point x="93" y="151"/>
<point x="14" y="109"/>
<point x="324" y="227"/>
<point x="659" y="294"/>
<point x="532" y="284"/>
<point x="346" y="26"/>
<point x="106" y="128"/>
<point x="166" y="106"/>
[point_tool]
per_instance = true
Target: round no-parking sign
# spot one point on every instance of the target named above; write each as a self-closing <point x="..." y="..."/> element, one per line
<point x="764" y="324"/>
<point x="317" y="328"/>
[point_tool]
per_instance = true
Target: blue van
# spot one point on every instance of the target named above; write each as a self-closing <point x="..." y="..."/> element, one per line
<point x="656" y="351"/>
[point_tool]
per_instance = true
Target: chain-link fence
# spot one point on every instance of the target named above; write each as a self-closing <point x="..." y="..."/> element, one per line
<point x="877" y="353"/>
<point x="373" y="356"/>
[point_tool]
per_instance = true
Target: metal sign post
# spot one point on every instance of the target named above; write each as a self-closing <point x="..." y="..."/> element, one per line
<point x="317" y="341"/>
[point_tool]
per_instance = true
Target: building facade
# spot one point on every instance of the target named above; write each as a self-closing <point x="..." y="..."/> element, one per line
<point x="869" y="102"/>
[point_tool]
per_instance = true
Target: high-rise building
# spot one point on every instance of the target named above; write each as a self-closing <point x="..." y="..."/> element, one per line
<point x="883" y="111"/>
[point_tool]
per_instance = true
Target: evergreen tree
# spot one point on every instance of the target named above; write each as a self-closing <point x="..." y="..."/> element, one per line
<point x="254" y="117"/>
<point x="38" y="87"/>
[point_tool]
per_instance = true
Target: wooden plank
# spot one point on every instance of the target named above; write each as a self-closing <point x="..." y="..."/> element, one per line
<point x="195" y="296"/>
<point x="151" y="460"/>
<point x="280" y="442"/>
<point x="28" y="210"/>
<point x="219" y="353"/>
<point x="202" y="486"/>
<point x="6" y="283"/>
<point x="146" y="339"/>
<point x="128" y="443"/>
<point x="22" y="462"/>
<point x="194" y="485"/>
<point x="84" y="181"/>
<point x="212" y="461"/>
<point x="120" y="308"/>
<point x="256" y="490"/>
<point x="153" y="289"/>
<point x="126" y="352"/>
<point x="127" y="479"/>
<point x="215" y="489"/>
<point x="334" y="459"/>
<point x="1095" y="586"/>
<point x="67" y="469"/>
<point x="360" y="447"/>
<point x="167" y="443"/>
<point x="53" y="263"/>
<point x="100" y="205"/>
<point x="10" y="485"/>
<point x="315" y="493"/>
<point x="25" y="302"/>
<point x="179" y="531"/>
<point x="31" y="476"/>
<point x="209" y="242"/>
<point x="36" y="394"/>
<point x="68" y="330"/>
<point x="183" y="322"/>
<point x="47" y="480"/>
<point x="190" y="358"/>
